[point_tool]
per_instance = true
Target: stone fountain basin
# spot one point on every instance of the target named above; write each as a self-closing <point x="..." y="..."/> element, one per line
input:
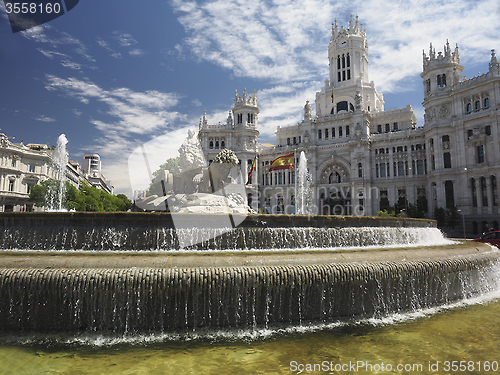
<point x="248" y="258"/>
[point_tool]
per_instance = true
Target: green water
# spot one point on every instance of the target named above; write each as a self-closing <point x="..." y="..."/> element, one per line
<point x="470" y="334"/>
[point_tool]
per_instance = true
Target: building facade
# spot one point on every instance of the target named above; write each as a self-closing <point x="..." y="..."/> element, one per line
<point x="363" y="158"/>
<point x="23" y="166"/>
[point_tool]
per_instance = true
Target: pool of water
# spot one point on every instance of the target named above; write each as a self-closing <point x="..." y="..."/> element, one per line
<point x="466" y="335"/>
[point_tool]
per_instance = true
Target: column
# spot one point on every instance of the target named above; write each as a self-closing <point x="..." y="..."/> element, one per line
<point x="489" y="194"/>
<point x="479" y="194"/>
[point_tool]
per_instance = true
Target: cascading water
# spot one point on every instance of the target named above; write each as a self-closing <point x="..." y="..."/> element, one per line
<point x="142" y="294"/>
<point x="56" y="192"/>
<point x="303" y="192"/>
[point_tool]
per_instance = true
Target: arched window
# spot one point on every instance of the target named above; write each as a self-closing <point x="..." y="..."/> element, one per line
<point x="487" y="103"/>
<point x="211" y="144"/>
<point x="477" y="105"/>
<point x="441" y="80"/>
<point x="216" y="144"/>
<point x="223" y="144"/>
<point x="334" y="178"/>
<point x="342" y="106"/>
<point x="360" y="170"/>
<point x="468" y="108"/>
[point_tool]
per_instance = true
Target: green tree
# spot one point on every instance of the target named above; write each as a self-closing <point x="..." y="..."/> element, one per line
<point x="440" y="216"/>
<point x="85" y="198"/>
<point x="452" y="217"/>
<point x="386" y="213"/>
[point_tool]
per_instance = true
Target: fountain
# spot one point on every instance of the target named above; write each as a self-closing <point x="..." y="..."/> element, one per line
<point x="56" y="192"/>
<point x="303" y="192"/>
<point x="125" y="273"/>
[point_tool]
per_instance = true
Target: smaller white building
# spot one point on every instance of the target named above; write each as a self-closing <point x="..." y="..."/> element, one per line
<point x="91" y="167"/>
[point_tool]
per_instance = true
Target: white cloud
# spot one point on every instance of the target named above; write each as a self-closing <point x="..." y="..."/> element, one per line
<point x="124" y="39"/>
<point x="136" y="52"/>
<point x="259" y="39"/>
<point x="51" y="36"/>
<point x="287" y="41"/>
<point x="134" y="112"/>
<point x="45" y="118"/>
<point x="135" y="116"/>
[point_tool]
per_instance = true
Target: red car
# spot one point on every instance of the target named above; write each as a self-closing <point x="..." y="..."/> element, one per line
<point x="492" y="238"/>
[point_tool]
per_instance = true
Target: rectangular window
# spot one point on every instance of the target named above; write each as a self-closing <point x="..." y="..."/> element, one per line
<point x="326" y="133"/>
<point x="420" y="167"/>
<point x="32" y="168"/>
<point x="382" y="170"/>
<point x="340" y="131"/>
<point x="474" y="191"/>
<point x="11" y="185"/>
<point x="319" y="134"/>
<point x="447" y="160"/>
<point x="401" y="168"/>
<point x="484" y="192"/>
<point x="347" y="131"/>
<point x="480" y="154"/>
<point x="333" y="132"/>
<point x="379" y="129"/>
<point x="494" y="190"/>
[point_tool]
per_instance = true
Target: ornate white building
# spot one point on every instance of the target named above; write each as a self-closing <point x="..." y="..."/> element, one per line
<point x="23" y="166"/>
<point x="363" y="158"/>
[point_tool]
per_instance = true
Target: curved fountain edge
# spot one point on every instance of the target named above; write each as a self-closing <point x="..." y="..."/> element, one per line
<point x="172" y="299"/>
<point x="134" y="219"/>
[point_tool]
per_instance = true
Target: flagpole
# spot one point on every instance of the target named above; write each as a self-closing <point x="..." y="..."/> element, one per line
<point x="295" y="179"/>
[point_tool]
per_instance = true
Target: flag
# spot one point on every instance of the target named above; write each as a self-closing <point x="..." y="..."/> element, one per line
<point x="283" y="162"/>
<point x="251" y="170"/>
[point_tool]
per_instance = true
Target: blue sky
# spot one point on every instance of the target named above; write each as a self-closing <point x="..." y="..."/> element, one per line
<point x="113" y="75"/>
